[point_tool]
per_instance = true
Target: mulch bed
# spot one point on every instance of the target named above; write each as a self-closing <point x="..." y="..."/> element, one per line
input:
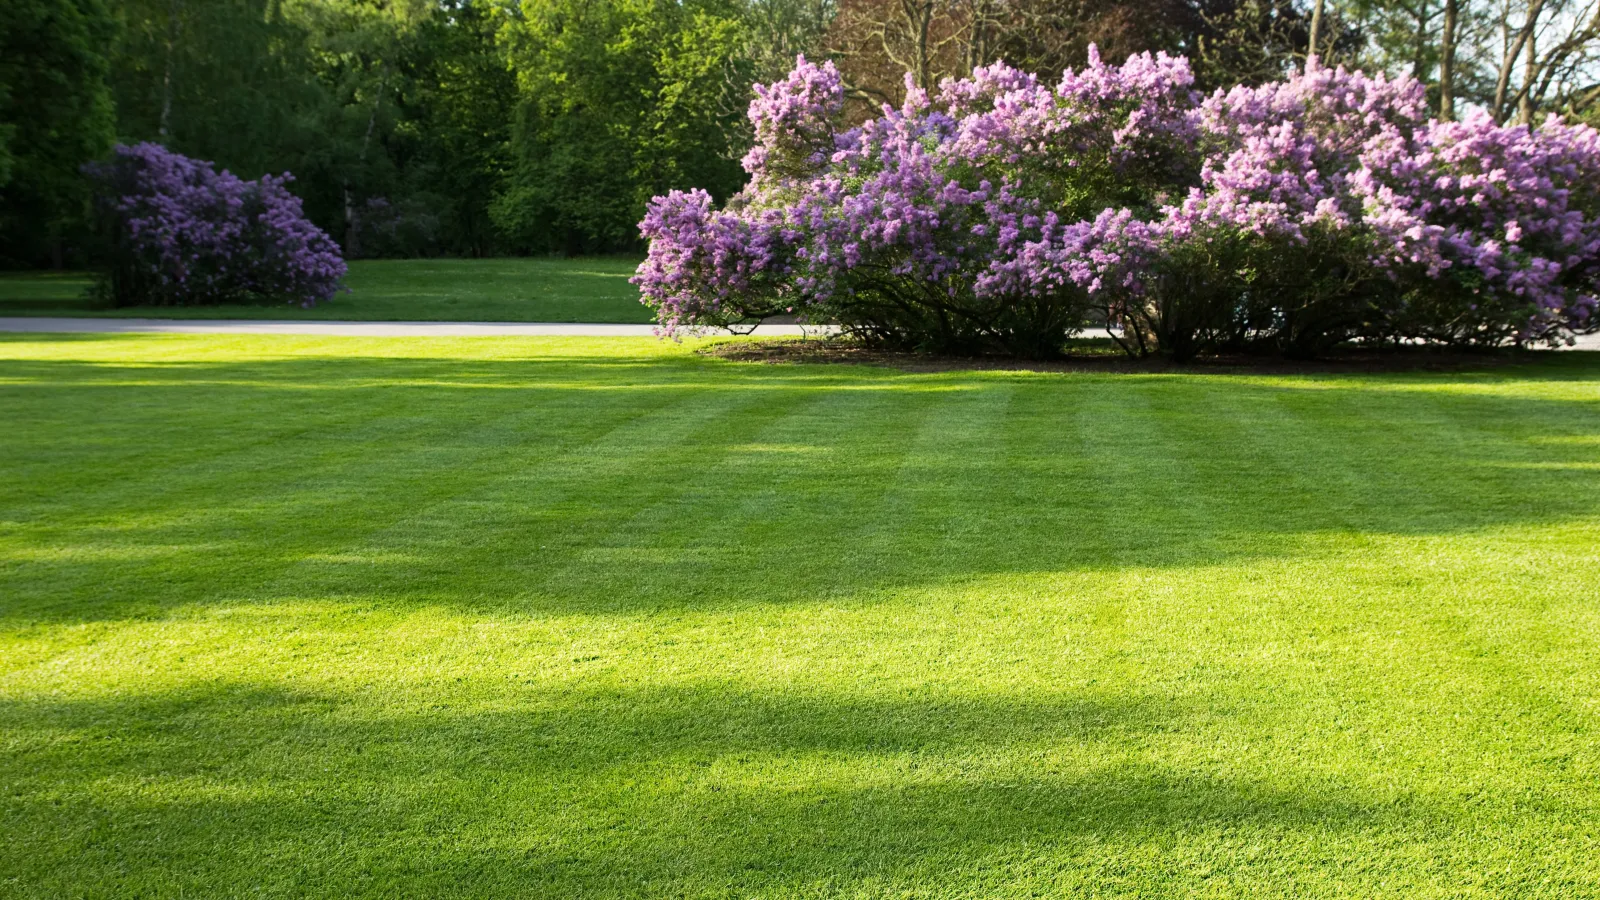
<point x="1105" y="358"/>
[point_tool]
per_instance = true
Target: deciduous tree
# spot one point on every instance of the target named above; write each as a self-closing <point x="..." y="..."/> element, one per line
<point x="55" y="115"/>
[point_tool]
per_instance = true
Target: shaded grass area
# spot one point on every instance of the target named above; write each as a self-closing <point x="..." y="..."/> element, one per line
<point x="593" y="289"/>
<point x="564" y="617"/>
<point x="1089" y="352"/>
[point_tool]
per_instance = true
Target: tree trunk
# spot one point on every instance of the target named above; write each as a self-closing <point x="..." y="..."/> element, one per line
<point x="352" y="239"/>
<point x="980" y="30"/>
<point x="163" y="129"/>
<point x="1316" y="34"/>
<point x="923" y="24"/>
<point x="1419" y="48"/>
<point x="1447" y="62"/>
<point x="1512" y="53"/>
<point x="1530" y="74"/>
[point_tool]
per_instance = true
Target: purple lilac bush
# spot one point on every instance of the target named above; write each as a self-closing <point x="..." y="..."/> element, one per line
<point x="1499" y="221"/>
<point x="184" y="233"/>
<point x="1003" y="214"/>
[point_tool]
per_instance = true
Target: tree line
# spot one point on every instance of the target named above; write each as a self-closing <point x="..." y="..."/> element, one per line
<point x="488" y="127"/>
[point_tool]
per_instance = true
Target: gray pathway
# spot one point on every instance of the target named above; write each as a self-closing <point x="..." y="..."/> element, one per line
<point x="389" y="329"/>
<point x="356" y="329"/>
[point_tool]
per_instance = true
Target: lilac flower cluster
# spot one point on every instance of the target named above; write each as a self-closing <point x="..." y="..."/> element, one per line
<point x="1002" y="214"/>
<point x="1504" y="219"/>
<point x="794" y="121"/>
<point x="188" y="234"/>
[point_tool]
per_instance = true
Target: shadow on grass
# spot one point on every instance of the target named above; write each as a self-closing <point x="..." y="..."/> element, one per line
<point x="590" y="484"/>
<point x="640" y="792"/>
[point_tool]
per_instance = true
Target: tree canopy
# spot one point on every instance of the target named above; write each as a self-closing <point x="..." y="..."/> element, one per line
<point x="55" y="114"/>
<point x="480" y="127"/>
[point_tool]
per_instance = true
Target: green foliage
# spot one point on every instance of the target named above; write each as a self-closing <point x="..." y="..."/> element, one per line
<point x="55" y="115"/>
<point x="406" y="122"/>
<point x="355" y="48"/>
<point x="229" y="81"/>
<point x="619" y="100"/>
<point x="452" y="131"/>
<point x="480" y="127"/>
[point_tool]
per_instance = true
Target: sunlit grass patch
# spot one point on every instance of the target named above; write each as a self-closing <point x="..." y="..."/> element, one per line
<point x="323" y="616"/>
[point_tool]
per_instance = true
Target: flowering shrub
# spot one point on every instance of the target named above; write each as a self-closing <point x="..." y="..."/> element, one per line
<point x="1499" y="226"/>
<point x="980" y="220"/>
<point x="1269" y="250"/>
<point x="185" y="234"/>
<point x="1002" y="215"/>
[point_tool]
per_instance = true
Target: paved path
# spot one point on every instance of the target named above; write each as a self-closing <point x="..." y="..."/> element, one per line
<point x="358" y="329"/>
<point x="387" y="329"/>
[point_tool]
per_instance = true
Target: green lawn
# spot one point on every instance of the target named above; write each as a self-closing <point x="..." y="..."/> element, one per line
<point x="602" y="618"/>
<point x="594" y="289"/>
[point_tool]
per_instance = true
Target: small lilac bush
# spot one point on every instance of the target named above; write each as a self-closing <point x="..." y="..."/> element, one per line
<point x="1002" y="214"/>
<point x="184" y="234"/>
